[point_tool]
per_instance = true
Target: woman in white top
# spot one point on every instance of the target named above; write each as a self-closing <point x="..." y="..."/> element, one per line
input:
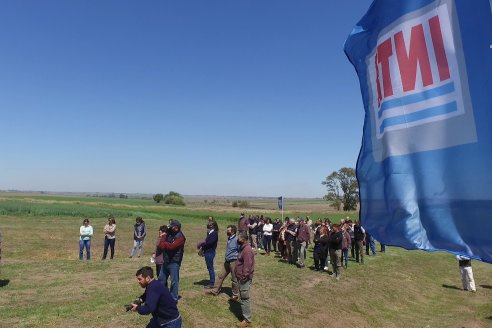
<point x="85" y="239"/>
<point x="267" y="236"/>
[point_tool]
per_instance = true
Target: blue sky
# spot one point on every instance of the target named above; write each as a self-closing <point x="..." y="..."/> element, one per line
<point x="202" y="97"/>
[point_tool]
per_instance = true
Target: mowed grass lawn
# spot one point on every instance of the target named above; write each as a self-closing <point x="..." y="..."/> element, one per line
<point x="43" y="284"/>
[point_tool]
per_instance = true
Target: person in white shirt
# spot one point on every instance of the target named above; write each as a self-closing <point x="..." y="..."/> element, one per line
<point x="86" y="233"/>
<point x="267" y="236"/>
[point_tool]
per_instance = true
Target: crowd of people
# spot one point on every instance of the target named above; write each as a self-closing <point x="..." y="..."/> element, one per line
<point x="289" y="239"/>
<point x="331" y="242"/>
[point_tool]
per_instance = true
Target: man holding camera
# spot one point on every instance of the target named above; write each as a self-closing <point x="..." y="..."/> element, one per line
<point x="173" y="249"/>
<point x="156" y="300"/>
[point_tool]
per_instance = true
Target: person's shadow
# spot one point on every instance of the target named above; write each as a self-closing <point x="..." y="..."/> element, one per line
<point x="3" y="282"/>
<point x="227" y="291"/>
<point x="451" y="287"/>
<point x="203" y="282"/>
<point x="486" y="286"/>
<point x="235" y="308"/>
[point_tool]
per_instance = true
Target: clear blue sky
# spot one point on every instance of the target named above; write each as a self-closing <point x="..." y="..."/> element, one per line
<point x="219" y="97"/>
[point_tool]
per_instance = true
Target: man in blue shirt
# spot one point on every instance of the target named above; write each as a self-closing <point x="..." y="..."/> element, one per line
<point x="156" y="300"/>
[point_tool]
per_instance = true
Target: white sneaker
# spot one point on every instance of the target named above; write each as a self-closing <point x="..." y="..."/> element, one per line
<point x="326" y="269"/>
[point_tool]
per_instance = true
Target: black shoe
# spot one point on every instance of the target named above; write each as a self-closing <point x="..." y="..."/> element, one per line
<point x="208" y="286"/>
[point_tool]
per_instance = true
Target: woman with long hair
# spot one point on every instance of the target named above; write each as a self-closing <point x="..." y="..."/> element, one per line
<point x="109" y="236"/>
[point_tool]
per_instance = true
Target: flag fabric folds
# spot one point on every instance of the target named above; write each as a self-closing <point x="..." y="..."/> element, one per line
<point x="425" y="165"/>
<point x="280" y="202"/>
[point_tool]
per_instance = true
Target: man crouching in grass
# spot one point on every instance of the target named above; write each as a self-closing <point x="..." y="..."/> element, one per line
<point x="245" y="267"/>
<point x="156" y="300"/>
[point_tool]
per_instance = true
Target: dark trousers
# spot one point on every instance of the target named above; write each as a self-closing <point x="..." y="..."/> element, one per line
<point x="108" y="243"/>
<point x="267" y="243"/>
<point x="352" y="247"/>
<point x="209" y="260"/>
<point x="318" y="265"/>
<point x="274" y="242"/>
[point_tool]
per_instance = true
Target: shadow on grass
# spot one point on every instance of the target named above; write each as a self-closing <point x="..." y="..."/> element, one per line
<point x="488" y="287"/>
<point x="226" y="290"/>
<point x="4" y="283"/>
<point x="235" y="308"/>
<point x="451" y="287"/>
<point x="489" y="317"/>
<point x="203" y="282"/>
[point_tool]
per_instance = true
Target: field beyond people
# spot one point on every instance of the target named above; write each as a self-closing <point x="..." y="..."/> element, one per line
<point x="43" y="283"/>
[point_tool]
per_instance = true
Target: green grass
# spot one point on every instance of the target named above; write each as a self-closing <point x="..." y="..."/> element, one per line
<point x="49" y="287"/>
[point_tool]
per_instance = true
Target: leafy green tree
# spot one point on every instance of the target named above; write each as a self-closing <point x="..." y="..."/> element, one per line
<point x="174" y="198"/>
<point x="343" y="188"/>
<point x="158" y="198"/>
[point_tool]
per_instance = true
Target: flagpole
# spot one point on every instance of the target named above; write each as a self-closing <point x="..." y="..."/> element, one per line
<point x="283" y="204"/>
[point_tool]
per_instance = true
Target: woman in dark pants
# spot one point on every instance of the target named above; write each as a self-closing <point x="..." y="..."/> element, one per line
<point x="109" y="237"/>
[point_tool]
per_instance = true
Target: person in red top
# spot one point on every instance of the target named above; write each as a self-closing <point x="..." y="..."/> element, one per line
<point x="172" y="247"/>
<point x="303" y="237"/>
<point x="245" y="267"/>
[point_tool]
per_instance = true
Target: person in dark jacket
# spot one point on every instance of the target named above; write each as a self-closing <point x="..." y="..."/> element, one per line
<point x="336" y="239"/>
<point x="276" y="234"/>
<point x="172" y="250"/>
<point x="139" y="233"/>
<point x="156" y="300"/>
<point x="245" y="267"/>
<point x="208" y="248"/>
<point x="324" y="244"/>
<point x="360" y="240"/>
<point x="229" y="266"/>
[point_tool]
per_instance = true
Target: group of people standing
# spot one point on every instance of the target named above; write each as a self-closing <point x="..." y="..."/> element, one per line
<point x="332" y="242"/>
<point x="86" y="233"/>
<point x="239" y="262"/>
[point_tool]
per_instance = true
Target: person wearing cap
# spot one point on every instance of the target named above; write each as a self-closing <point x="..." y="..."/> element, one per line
<point x="172" y="247"/>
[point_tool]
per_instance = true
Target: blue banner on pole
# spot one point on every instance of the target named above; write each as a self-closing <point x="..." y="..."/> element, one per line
<point x="280" y="202"/>
<point x="424" y="169"/>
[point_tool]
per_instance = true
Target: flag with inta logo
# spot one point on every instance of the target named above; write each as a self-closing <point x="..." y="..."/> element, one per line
<point x="425" y="165"/>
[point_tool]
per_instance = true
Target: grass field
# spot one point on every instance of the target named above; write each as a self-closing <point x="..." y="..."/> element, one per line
<point x="43" y="284"/>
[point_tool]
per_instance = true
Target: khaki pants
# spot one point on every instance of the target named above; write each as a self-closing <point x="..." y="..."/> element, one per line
<point x="253" y="241"/>
<point x="336" y="261"/>
<point x="302" y="252"/>
<point x="227" y="268"/>
<point x="359" y="251"/>
<point x="244" y="289"/>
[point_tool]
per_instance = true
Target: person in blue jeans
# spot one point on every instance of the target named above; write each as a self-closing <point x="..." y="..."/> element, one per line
<point x="156" y="300"/>
<point x="86" y="233"/>
<point x="370" y="244"/>
<point x="208" y="248"/>
<point x="172" y="246"/>
<point x="139" y="233"/>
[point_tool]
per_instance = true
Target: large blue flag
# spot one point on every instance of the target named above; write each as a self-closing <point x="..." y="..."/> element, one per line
<point x="425" y="165"/>
<point x="280" y="203"/>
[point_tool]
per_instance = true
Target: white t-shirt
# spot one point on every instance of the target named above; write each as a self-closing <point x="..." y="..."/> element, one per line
<point x="267" y="229"/>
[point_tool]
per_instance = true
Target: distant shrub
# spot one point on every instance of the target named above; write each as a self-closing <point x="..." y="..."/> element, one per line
<point x="174" y="198"/>
<point x="241" y="204"/>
